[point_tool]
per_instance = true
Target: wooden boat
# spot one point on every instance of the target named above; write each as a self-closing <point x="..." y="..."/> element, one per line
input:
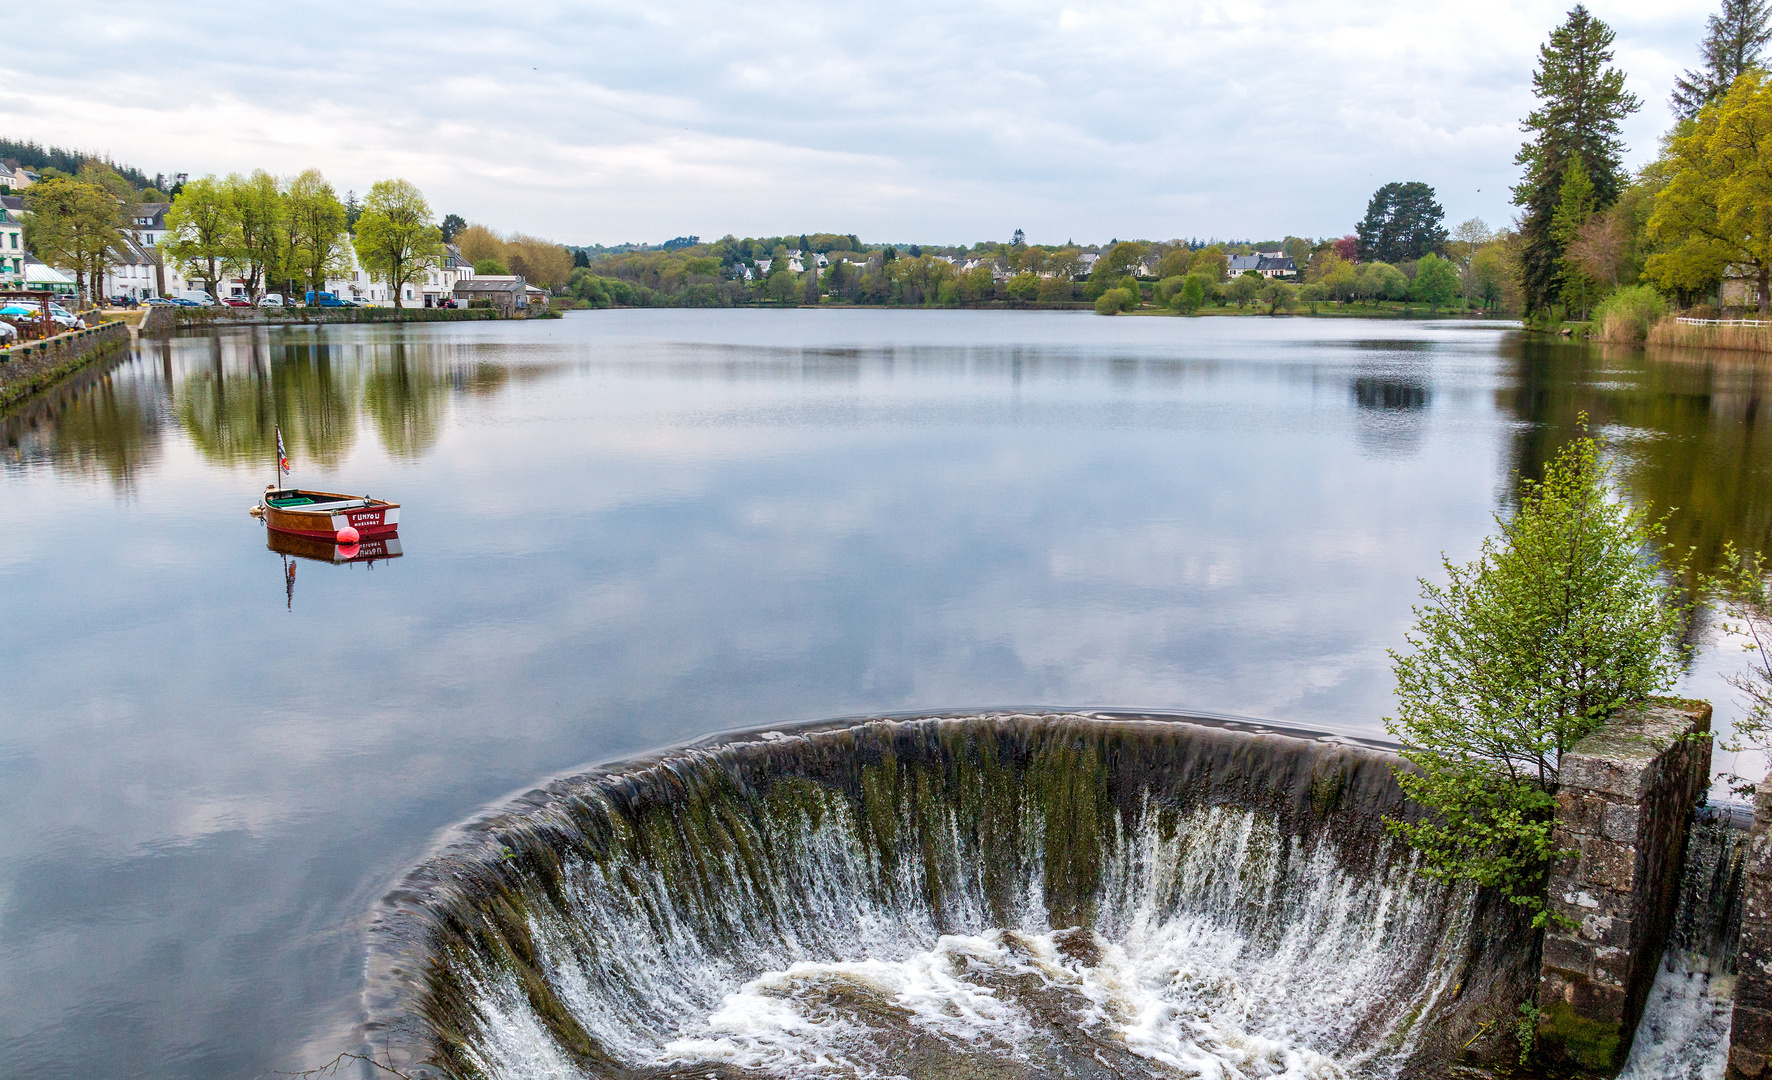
<point x="327" y="513"/>
<point x="326" y="549"/>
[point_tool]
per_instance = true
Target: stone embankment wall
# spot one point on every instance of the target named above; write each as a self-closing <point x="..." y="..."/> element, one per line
<point x="1750" y="1046"/>
<point x="164" y="320"/>
<point x="1624" y="807"/>
<point x="28" y="368"/>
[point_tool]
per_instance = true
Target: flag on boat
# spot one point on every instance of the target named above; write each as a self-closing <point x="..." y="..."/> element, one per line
<point x="282" y="457"/>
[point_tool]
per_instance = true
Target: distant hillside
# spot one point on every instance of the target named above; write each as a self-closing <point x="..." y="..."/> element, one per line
<point x="34" y="156"/>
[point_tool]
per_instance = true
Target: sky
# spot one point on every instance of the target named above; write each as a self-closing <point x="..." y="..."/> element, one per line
<point x="916" y="121"/>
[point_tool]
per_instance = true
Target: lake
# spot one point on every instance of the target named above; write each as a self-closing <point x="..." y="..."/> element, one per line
<point x="625" y="529"/>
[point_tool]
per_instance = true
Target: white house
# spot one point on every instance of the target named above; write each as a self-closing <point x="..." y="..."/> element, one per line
<point x="12" y="243"/>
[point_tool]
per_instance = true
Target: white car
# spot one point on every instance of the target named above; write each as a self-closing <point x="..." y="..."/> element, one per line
<point x="271" y="299"/>
<point x="62" y="317"/>
<point x="8" y="332"/>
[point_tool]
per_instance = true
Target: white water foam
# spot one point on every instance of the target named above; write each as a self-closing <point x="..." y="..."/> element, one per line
<point x="1221" y="950"/>
<point x="1684" y="1033"/>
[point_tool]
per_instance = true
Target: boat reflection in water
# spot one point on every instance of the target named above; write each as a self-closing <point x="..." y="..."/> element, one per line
<point x="294" y="548"/>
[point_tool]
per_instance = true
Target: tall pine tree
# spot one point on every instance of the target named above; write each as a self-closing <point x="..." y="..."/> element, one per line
<point x="1732" y="44"/>
<point x="1581" y="101"/>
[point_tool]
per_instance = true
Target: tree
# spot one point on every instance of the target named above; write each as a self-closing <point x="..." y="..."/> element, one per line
<point x="74" y="225"/>
<point x="1348" y="247"/>
<point x="1402" y="222"/>
<point x="317" y="229"/>
<point x="1174" y="263"/>
<point x="1114" y="301"/>
<point x="1732" y="44"/>
<point x="1381" y="281"/>
<point x="1575" y="207"/>
<point x="1244" y="288"/>
<point x="541" y="262"/>
<point x="1601" y="247"/>
<point x="1122" y="259"/>
<point x="1559" y="622"/>
<point x="1436" y="281"/>
<point x="478" y="242"/>
<point x="1581" y="102"/>
<point x="1489" y="272"/>
<point x="396" y="239"/>
<point x="258" y="215"/>
<point x="452" y="224"/>
<point x="203" y="233"/>
<point x="1278" y="296"/>
<point x="1712" y="212"/>
<point x="1192" y="295"/>
<point x="809" y="291"/>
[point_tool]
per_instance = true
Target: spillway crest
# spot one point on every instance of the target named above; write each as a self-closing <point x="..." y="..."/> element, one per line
<point x="988" y="895"/>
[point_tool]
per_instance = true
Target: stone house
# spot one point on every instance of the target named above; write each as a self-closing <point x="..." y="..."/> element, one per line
<point x="507" y="293"/>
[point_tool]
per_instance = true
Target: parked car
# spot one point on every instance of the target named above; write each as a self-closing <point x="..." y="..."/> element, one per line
<point x="325" y="299"/>
<point x="271" y="299"/>
<point x="197" y="297"/>
<point x="8" y="333"/>
<point x="446" y="302"/>
<point x="62" y="317"/>
<point x="182" y="302"/>
<point x="158" y="301"/>
<point x="235" y="301"/>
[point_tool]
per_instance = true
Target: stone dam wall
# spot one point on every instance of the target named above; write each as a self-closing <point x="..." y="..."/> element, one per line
<point x="619" y="893"/>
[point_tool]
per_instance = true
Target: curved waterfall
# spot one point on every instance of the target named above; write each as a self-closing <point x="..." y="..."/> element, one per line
<point x="988" y="895"/>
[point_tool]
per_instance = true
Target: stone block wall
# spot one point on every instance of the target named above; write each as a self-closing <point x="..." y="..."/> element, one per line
<point x="1750" y="1044"/>
<point x="1624" y="806"/>
<point x="30" y="367"/>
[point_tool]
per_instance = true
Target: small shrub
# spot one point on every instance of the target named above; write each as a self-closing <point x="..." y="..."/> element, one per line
<point x="1114" y="301"/>
<point x="1628" y="313"/>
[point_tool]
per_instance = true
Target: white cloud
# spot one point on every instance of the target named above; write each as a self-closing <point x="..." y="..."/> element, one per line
<point x="914" y="121"/>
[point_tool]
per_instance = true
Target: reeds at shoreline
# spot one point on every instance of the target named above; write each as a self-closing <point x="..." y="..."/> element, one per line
<point x="1671" y="333"/>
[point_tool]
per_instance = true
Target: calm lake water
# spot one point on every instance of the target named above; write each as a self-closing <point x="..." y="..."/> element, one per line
<point x="625" y="529"/>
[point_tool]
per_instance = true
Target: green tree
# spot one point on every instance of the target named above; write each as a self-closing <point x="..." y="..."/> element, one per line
<point x="258" y="214"/>
<point x="1559" y="622"/>
<point x="318" y="236"/>
<point x="1193" y="293"/>
<point x="454" y="223"/>
<point x="1743" y="587"/>
<point x="1575" y="207"/>
<point x="74" y="225"/>
<point x="1114" y="301"/>
<point x="1436" y="281"/>
<point x="1119" y="261"/>
<point x="396" y="239"/>
<point x="203" y="232"/>
<point x="1581" y="102"/>
<point x="1244" y="288"/>
<point x="1023" y="287"/>
<point x="1489" y="271"/>
<point x="1278" y="296"/>
<point x="1402" y="222"/>
<point x="1732" y="44"/>
<point x="1381" y="281"/>
<point x="1713" y="211"/>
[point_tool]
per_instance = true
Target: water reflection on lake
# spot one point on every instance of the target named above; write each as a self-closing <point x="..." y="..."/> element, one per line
<point x="628" y="528"/>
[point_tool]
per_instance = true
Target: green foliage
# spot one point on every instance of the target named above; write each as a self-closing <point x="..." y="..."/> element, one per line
<point x="74" y="224"/>
<point x="203" y="231"/>
<point x="1192" y="294"/>
<point x="1024" y="287"/>
<point x="1244" y="288"/>
<point x="1575" y="206"/>
<point x="491" y="267"/>
<point x="1581" y="102"/>
<point x="396" y="240"/>
<point x="1114" y="301"/>
<point x="1712" y="212"/>
<point x="1560" y="620"/>
<point x="1628" y="313"/>
<point x="1278" y="296"/>
<point x="1526" y="1029"/>
<point x="1380" y="281"/>
<point x="1731" y="47"/>
<point x="1436" y="281"/>
<point x="316" y="233"/>
<point x="1402" y="222"/>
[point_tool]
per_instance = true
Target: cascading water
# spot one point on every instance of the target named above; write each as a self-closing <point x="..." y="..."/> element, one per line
<point x="997" y="895"/>
<point x="1684" y="1033"/>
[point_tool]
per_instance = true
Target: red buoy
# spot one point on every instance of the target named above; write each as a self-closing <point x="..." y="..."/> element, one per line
<point x="347" y="535"/>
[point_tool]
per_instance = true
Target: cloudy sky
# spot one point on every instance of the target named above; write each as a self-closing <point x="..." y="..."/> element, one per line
<point x="917" y="120"/>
